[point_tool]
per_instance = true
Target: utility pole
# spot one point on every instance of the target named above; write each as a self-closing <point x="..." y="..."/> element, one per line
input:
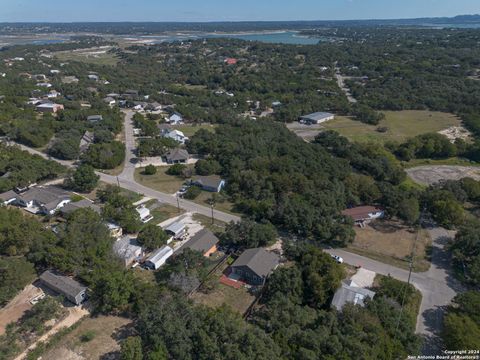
<point x="178" y="203"/>
<point x="118" y="182"/>
<point x="213" y="218"/>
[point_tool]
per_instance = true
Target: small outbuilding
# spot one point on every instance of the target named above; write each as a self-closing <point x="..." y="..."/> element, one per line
<point x="176" y="229"/>
<point x="159" y="257"/>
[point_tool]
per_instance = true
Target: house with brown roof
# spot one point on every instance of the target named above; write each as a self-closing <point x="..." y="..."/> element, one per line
<point x="362" y="215"/>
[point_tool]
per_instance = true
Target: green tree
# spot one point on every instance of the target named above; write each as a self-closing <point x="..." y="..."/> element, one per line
<point x="207" y="167"/>
<point x="192" y="193"/>
<point x="460" y="332"/>
<point x="249" y="234"/>
<point x="83" y="179"/>
<point x="152" y="237"/>
<point x="176" y="170"/>
<point x="150" y="170"/>
<point x="131" y="348"/>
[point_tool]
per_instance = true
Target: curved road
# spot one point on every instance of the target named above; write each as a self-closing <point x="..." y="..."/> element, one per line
<point x="437" y="285"/>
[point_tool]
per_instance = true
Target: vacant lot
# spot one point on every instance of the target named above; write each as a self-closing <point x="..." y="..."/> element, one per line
<point x="105" y="332"/>
<point x="400" y="125"/>
<point x="160" y="181"/>
<point x="238" y="299"/>
<point x="431" y="174"/>
<point x="190" y="130"/>
<point x="392" y="243"/>
<point x="221" y="204"/>
<point x="97" y="56"/>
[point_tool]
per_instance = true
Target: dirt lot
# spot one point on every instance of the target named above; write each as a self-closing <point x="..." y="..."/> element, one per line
<point x="392" y="243"/>
<point x="107" y="331"/>
<point x="15" y="309"/>
<point x="427" y="175"/>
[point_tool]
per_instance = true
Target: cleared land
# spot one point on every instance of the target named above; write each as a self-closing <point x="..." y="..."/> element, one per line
<point x="221" y="204"/>
<point x="400" y="125"/>
<point x="427" y="175"/>
<point x="97" y="56"/>
<point x="107" y="332"/>
<point x="190" y="130"/>
<point x="160" y="181"/>
<point x="392" y="243"/>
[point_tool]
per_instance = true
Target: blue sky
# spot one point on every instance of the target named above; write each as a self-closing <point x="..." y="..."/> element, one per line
<point x="227" y="10"/>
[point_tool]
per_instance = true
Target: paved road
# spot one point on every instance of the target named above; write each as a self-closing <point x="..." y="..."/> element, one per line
<point x="437" y="285"/>
<point x="341" y="85"/>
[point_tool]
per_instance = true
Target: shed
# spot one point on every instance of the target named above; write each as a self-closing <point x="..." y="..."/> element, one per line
<point x="94" y="118"/>
<point x="71" y="289"/>
<point x="159" y="257"/>
<point x="176" y="229"/>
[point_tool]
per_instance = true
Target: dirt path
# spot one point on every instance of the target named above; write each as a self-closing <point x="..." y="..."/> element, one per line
<point x="75" y="314"/>
<point x="15" y="309"/>
<point x="431" y="174"/>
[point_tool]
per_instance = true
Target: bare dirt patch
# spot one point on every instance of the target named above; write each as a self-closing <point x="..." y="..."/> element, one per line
<point x="108" y="332"/>
<point x="15" y="309"/>
<point x="456" y="132"/>
<point x="428" y="175"/>
<point x="391" y="242"/>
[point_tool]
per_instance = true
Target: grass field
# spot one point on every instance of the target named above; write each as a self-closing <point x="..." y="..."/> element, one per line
<point x="190" y="130"/>
<point x="161" y="212"/>
<point x="222" y="204"/>
<point x="160" y="181"/>
<point x="392" y="243"/>
<point x="401" y="125"/>
<point x="216" y="227"/>
<point x="96" y="56"/>
<point x="104" y="333"/>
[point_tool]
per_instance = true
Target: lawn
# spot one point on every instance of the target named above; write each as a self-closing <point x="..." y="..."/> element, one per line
<point x="161" y="212"/>
<point x="103" y="333"/>
<point x="96" y="56"/>
<point x="222" y="204"/>
<point x="392" y="243"/>
<point x="401" y="125"/>
<point x="190" y="130"/>
<point x="160" y="181"/>
<point x="216" y="227"/>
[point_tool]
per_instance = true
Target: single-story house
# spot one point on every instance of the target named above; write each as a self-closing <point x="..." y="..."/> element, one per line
<point x="176" y="156"/>
<point x="316" y="118"/>
<point x="71" y="289"/>
<point x="212" y="183"/>
<point x="176" y="229"/>
<point x="255" y="265"/>
<point x="177" y="135"/>
<point x="164" y="129"/>
<point x="362" y="215"/>
<point x="44" y="84"/>
<point x="94" y="118"/>
<point x="349" y="292"/>
<point x="87" y="139"/>
<point x="45" y="200"/>
<point x="128" y="250"/>
<point x="175" y="118"/>
<point x="49" y="107"/>
<point x="53" y="94"/>
<point x="154" y="106"/>
<point x="204" y="241"/>
<point x="82" y="204"/>
<point x="109" y="100"/>
<point x="116" y="231"/>
<point x="144" y="213"/>
<point x="93" y="77"/>
<point x="8" y="197"/>
<point x="159" y="257"/>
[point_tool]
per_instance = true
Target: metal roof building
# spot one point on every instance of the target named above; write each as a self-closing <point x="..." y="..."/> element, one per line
<point x="158" y="257"/>
<point x="350" y="293"/>
<point x="316" y="118"/>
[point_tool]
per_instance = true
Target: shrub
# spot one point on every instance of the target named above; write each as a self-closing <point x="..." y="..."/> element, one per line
<point x="192" y="193"/>
<point x="87" y="336"/>
<point x="176" y="170"/>
<point x="150" y="170"/>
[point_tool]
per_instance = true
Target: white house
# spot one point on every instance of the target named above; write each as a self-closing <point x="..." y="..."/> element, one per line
<point x="144" y="214"/>
<point x="175" y="118"/>
<point x="159" y="257"/>
<point x="53" y="94"/>
<point x="44" y="84"/>
<point x="45" y="200"/>
<point x="177" y="135"/>
<point x="93" y="77"/>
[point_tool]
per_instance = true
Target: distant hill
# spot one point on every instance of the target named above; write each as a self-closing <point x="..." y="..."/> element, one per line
<point x="146" y="28"/>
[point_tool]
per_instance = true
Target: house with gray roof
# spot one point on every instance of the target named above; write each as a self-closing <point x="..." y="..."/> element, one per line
<point x="204" y="241"/>
<point x="176" y="156"/>
<point x="128" y="250"/>
<point x="350" y="292"/>
<point x="69" y="288"/>
<point x="212" y="183"/>
<point x="8" y="197"/>
<point x="159" y="257"/>
<point x="94" y="118"/>
<point x="176" y="229"/>
<point x="316" y="118"/>
<point x="44" y="200"/>
<point x="87" y="139"/>
<point x="82" y="204"/>
<point x="255" y="265"/>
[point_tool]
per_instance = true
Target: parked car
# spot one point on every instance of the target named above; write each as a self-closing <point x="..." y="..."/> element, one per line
<point x="337" y="258"/>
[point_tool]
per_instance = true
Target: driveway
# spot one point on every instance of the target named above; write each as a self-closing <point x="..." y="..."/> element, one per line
<point x="128" y="172"/>
<point x="437" y="285"/>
